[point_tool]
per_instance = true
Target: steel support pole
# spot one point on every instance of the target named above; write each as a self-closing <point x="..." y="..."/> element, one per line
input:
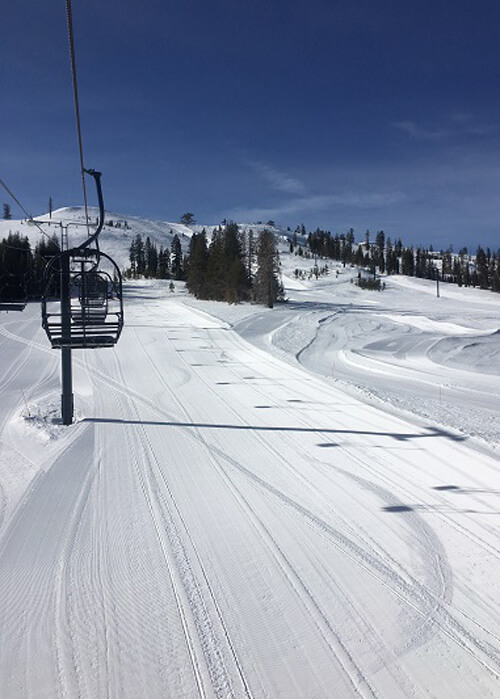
<point x="66" y="370"/>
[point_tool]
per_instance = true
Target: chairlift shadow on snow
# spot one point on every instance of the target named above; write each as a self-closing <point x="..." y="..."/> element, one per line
<point x="433" y="432"/>
<point x="395" y="509"/>
<point x="459" y="490"/>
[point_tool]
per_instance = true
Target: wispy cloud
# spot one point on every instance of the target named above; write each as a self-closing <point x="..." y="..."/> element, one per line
<point x="462" y="117"/>
<point x="419" y="133"/>
<point x="277" y="179"/>
<point x="460" y="124"/>
<point x="319" y="202"/>
<point x="300" y="201"/>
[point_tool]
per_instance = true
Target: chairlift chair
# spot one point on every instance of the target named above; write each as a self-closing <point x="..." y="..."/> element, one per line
<point x="82" y="304"/>
<point x="89" y="297"/>
<point x="89" y="291"/>
<point x="93" y="294"/>
<point x="12" y="305"/>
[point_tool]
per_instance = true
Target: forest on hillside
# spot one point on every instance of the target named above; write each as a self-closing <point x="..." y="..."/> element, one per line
<point x="234" y="264"/>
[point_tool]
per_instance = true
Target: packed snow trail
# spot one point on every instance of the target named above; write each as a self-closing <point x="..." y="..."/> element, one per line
<point x="435" y="358"/>
<point x="221" y="524"/>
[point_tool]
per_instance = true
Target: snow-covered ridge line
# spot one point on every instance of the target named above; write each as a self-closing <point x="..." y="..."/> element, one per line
<point x="118" y="231"/>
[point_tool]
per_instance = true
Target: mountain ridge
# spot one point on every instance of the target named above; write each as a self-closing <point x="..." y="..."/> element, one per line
<point x="118" y="232"/>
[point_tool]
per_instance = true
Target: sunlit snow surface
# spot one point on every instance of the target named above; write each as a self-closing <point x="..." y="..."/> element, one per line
<point x="297" y="502"/>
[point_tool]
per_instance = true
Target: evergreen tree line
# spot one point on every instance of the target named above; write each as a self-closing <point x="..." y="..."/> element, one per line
<point x="21" y="268"/>
<point x="232" y="267"/>
<point x="235" y="266"/>
<point x="384" y="256"/>
<point x="146" y="260"/>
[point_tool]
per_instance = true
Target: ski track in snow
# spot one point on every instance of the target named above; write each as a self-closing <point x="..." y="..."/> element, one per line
<point x="419" y="528"/>
<point x="340" y="652"/>
<point x="224" y="524"/>
<point x="158" y="489"/>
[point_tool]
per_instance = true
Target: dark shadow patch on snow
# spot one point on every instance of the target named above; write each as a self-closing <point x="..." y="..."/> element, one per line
<point x="460" y="490"/>
<point x="326" y="445"/>
<point x="399" y="436"/>
<point x="398" y="508"/>
<point x="440" y="432"/>
<point x="263" y="407"/>
<point x="223" y="383"/>
<point x="434" y="508"/>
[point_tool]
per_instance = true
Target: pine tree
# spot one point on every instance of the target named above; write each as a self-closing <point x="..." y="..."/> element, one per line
<point x="367" y="240"/>
<point x="380" y="251"/>
<point x="151" y="258"/>
<point x="482" y="268"/>
<point x="267" y="286"/>
<point x="347" y="247"/>
<point x="226" y="274"/>
<point x="214" y="282"/>
<point x="141" y="258"/>
<point x="237" y="286"/>
<point x="7" y="212"/>
<point x="176" y="265"/>
<point x="408" y="262"/>
<point x="137" y="257"/>
<point x="198" y="260"/>
<point x="163" y="264"/>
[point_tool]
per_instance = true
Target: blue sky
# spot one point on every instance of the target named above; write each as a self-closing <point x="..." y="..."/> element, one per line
<point x="375" y="115"/>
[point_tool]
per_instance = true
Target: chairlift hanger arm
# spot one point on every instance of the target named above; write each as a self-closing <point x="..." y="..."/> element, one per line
<point x="93" y="238"/>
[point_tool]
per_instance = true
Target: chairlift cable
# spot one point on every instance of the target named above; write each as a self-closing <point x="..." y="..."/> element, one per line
<point x="69" y="20"/>
<point x="15" y="198"/>
<point x="28" y="215"/>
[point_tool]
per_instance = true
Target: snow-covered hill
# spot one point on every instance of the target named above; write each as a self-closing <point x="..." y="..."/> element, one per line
<point x="118" y="232"/>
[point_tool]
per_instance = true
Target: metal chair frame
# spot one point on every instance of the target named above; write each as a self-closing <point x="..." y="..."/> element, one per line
<point x="89" y="314"/>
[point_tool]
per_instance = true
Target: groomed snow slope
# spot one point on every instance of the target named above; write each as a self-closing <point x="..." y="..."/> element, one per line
<point x="222" y="521"/>
<point x="404" y="349"/>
